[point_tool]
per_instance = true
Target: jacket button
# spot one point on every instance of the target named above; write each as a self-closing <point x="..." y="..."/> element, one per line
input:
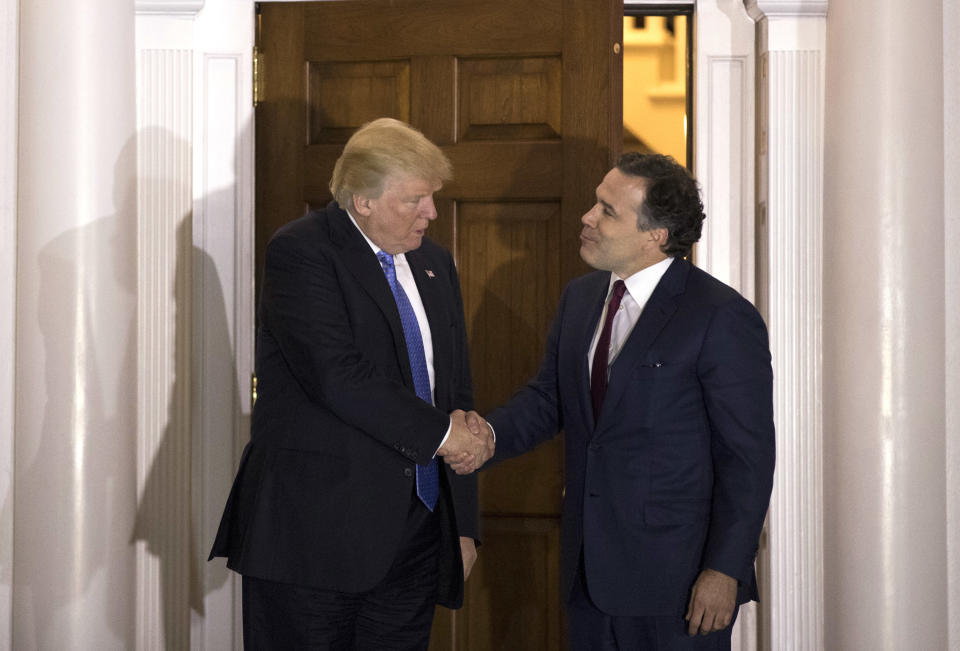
<point x="408" y="472"/>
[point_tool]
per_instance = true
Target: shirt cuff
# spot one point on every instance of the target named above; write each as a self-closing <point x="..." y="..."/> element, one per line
<point x="445" y="437"/>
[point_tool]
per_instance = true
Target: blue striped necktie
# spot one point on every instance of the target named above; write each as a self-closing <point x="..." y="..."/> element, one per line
<point x="428" y="486"/>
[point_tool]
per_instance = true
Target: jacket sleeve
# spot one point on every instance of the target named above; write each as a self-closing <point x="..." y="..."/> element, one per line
<point x="737" y="383"/>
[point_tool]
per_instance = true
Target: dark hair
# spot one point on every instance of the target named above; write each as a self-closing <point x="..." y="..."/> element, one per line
<point x="671" y="200"/>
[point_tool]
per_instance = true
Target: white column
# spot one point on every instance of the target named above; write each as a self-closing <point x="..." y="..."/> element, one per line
<point x="951" y="204"/>
<point x="9" y="49"/>
<point x="75" y="488"/>
<point x="168" y="565"/>
<point x="791" y="37"/>
<point x="885" y="538"/>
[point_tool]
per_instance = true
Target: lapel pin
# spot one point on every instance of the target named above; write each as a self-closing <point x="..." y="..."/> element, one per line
<point x="430" y="274"/>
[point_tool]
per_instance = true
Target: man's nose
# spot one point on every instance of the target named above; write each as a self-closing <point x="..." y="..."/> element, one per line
<point x="590" y="217"/>
<point x="429" y="209"/>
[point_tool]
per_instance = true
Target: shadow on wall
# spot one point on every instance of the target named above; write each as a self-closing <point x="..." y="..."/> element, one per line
<point x="74" y="494"/>
<point x="171" y="517"/>
<point x="77" y="519"/>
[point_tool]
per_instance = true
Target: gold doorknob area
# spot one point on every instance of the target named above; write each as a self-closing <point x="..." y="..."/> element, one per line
<point x="616" y="48"/>
<point x="253" y="389"/>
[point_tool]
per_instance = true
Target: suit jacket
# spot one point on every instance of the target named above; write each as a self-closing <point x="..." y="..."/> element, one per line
<point x="675" y="475"/>
<point x="324" y="485"/>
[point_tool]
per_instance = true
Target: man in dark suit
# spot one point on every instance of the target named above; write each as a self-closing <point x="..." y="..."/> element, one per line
<point x="346" y="529"/>
<point x="660" y="376"/>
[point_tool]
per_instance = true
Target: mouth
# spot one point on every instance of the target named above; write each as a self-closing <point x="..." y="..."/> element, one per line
<point x="585" y="239"/>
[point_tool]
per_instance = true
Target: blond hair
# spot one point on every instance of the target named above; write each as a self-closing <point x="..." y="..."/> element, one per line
<point x="382" y="148"/>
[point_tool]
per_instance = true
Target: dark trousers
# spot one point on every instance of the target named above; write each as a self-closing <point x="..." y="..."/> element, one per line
<point x="590" y="629"/>
<point x="395" y="615"/>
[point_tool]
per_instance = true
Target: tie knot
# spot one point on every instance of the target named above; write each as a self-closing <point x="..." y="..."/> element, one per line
<point x="386" y="260"/>
<point x="619" y="288"/>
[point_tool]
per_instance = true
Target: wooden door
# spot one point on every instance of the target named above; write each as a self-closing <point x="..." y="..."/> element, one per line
<point x="525" y="99"/>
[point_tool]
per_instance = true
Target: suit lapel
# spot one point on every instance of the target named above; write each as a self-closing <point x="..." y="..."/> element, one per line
<point x="584" y="329"/>
<point x="655" y="315"/>
<point x="361" y="261"/>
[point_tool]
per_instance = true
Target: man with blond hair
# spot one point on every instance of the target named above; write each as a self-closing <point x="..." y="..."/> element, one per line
<point x="346" y="528"/>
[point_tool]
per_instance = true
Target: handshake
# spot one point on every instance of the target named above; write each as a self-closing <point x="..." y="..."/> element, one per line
<point x="470" y="443"/>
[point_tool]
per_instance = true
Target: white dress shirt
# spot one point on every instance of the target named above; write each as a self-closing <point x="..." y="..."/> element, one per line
<point x="640" y="286"/>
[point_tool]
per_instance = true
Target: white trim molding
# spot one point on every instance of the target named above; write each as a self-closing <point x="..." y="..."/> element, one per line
<point x="786" y="8"/>
<point x="724" y="97"/>
<point x="195" y="331"/>
<point x="164" y="128"/>
<point x="653" y="4"/>
<point x="792" y="43"/>
<point x="951" y="206"/>
<point x="169" y="7"/>
<point x="9" y="100"/>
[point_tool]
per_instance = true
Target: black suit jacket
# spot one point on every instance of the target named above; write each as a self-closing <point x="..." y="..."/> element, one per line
<point x="675" y="475"/>
<point x="323" y="488"/>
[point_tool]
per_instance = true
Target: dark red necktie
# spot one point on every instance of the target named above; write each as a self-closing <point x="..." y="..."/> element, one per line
<point x="598" y="374"/>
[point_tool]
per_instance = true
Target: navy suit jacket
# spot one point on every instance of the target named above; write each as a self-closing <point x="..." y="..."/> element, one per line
<point x="675" y="475"/>
<point x="324" y="486"/>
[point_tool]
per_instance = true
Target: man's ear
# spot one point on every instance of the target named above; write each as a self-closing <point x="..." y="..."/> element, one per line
<point x="658" y="235"/>
<point x="361" y="204"/>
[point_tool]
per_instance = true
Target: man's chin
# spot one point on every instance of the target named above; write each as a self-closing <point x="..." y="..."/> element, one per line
<point x="585" y="256"/>
<point x="591" y="260"/>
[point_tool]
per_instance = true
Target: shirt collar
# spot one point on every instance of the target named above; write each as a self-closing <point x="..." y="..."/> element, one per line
<point x="641" y="284"/>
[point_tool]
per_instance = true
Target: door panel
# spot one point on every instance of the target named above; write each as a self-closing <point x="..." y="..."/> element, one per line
<point x="343" y="94"/>
<point x="531" y="617"/>
<point x="525" y="100"/>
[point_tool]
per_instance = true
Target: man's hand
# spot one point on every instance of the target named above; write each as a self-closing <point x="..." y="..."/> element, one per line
<point x="712" y="600"/>
<point x="468" y="549"/>
<point x="463" y="464"/>
<point x="466" y="449"/>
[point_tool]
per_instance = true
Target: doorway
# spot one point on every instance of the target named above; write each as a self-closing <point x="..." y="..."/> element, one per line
<point x="657" y="81"/>
<point x="500" y="88"/>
